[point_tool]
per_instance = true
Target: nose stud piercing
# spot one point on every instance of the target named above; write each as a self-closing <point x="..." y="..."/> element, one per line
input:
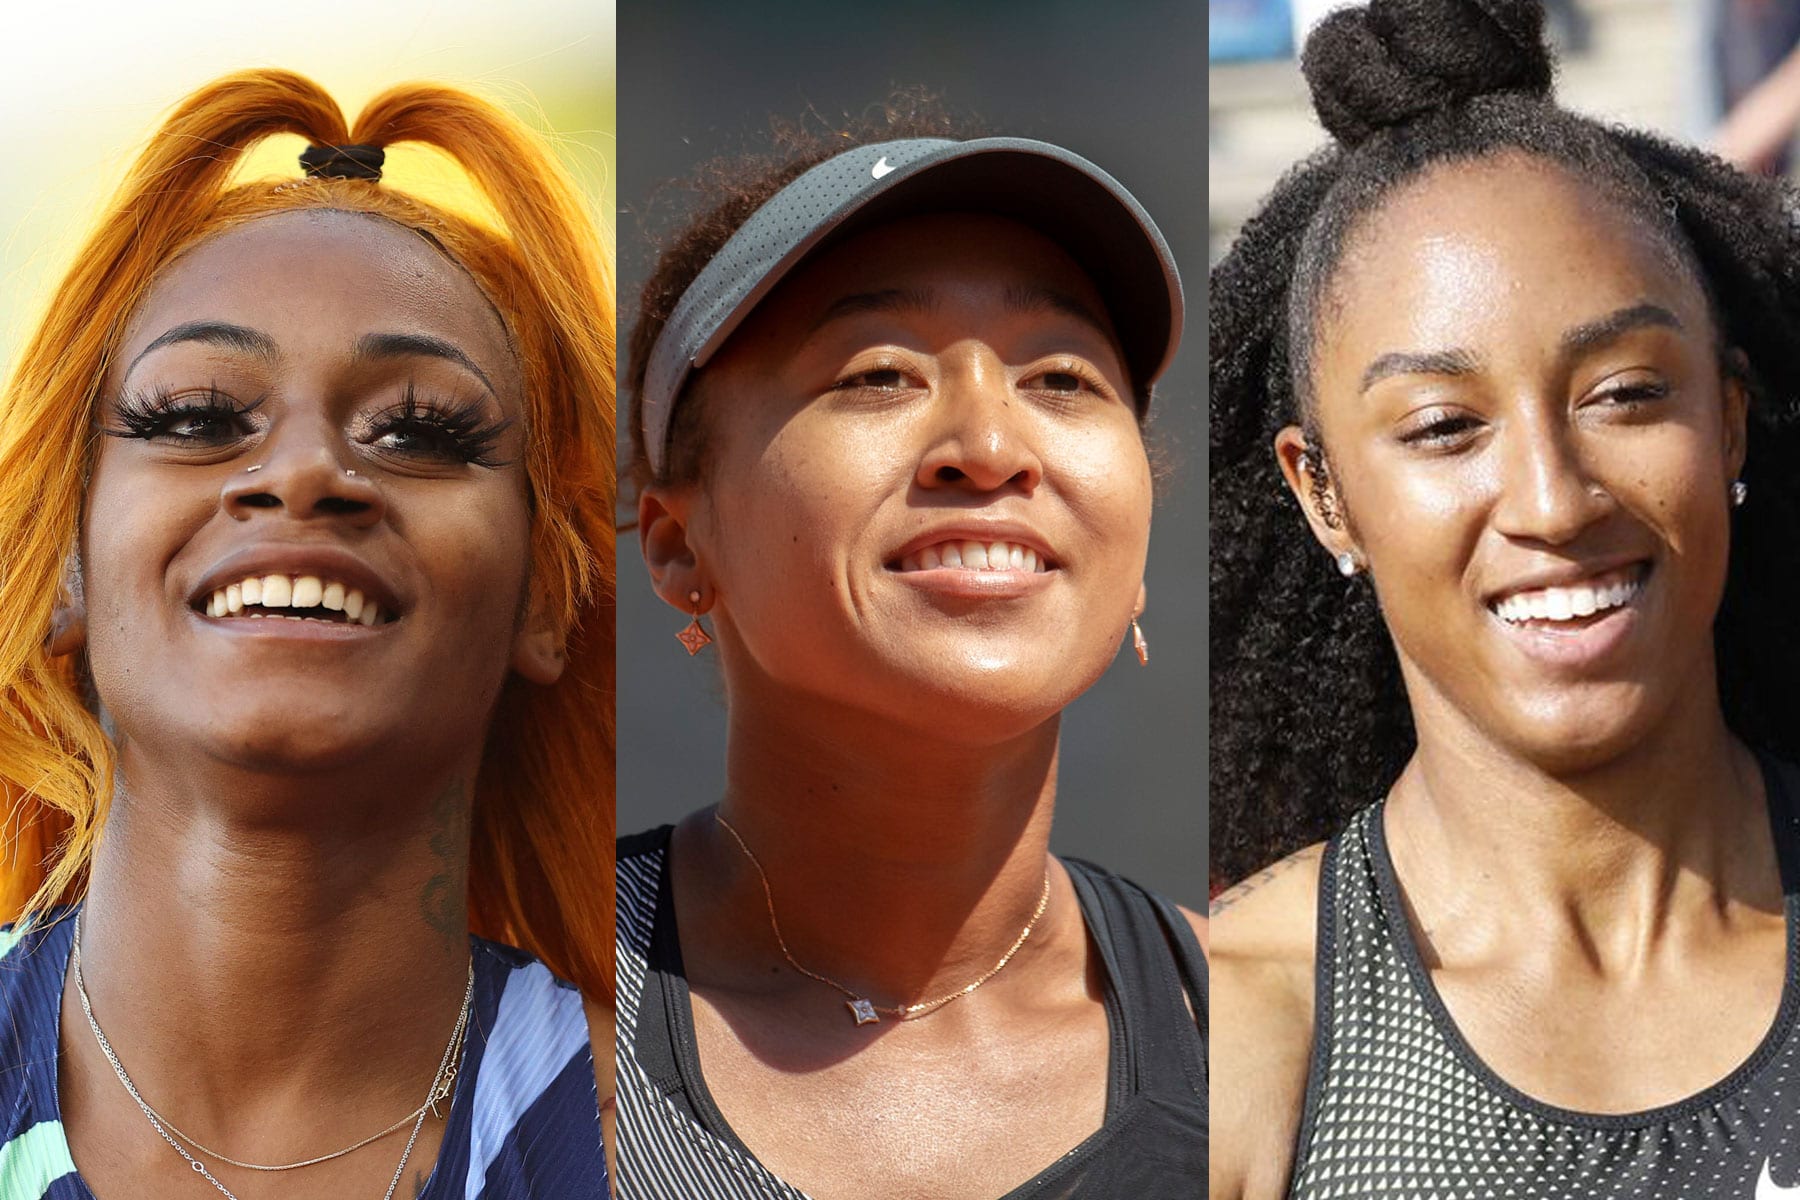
<point x="694" y="636"/>
<point x="1740" y="492"/>
<point x="1346" y="564"/>
<point x="1139" y="644"/>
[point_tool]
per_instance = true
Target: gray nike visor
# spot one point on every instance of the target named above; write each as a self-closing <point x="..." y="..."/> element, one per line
<point x="1063" y="196"/>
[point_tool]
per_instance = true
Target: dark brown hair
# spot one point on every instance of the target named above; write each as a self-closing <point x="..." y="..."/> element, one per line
<point x="712" y="204"/>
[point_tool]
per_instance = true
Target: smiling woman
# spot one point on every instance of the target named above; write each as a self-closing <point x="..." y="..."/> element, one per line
<point x="888" y="394"/>
<point x="306" y="490"/>
<point x="1504" y="541"/>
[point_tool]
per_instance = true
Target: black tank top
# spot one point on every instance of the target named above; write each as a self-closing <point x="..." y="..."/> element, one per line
<point x="1398" y="1105"/>
<point x="676" y="1145"/>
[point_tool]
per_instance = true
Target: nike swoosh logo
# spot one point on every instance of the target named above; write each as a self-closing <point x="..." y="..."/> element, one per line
<point x="880" y="168"/>
<point x="1768" y="1189"/>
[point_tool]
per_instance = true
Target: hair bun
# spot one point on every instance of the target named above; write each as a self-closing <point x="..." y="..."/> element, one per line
<point x="1394" y="60"/>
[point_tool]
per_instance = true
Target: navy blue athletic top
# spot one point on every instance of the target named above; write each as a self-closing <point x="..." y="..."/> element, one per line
<point x="524" y="1123"/>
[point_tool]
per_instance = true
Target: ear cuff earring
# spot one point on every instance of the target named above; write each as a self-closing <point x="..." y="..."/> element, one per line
<point x="694" y="635"/>
<point x="1312" y="465"/>
<point x="1740" y="492"/>
<point x="1139" y="644"/>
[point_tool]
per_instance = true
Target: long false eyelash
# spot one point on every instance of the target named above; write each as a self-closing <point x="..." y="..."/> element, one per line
<point x="151" y="413"/>
<point x="465" y="424"/>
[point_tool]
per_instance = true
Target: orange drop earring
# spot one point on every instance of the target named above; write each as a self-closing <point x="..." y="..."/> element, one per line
<point x="694" y="635"/>
<point x="1139" y="644"/>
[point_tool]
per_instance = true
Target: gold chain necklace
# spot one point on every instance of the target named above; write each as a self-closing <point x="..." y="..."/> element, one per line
<point x="861" y="1008"/>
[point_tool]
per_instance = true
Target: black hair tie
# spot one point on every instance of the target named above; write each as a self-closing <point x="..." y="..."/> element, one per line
<point x="343" y="162"/>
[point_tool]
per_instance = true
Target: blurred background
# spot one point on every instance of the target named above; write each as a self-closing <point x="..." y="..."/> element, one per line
<point x="1723" y="73"/>
<point x="1117" y="81"/>
<point x="83" y="84"/>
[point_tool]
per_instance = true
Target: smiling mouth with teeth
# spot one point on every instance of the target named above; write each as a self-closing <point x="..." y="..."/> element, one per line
<point x="974" y="556"/>
<point x="296" y="598"/>
<point x="1573" y="604"/>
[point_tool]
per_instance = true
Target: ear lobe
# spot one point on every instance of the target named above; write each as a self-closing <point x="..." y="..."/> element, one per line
<point x="68" y="629"/>
<point x="1736" y="422"/>
<point x="675" y="570"/>
<point x="68" y="620"/>
<point x="540" y="648"/>
<point x="1143" y="598"/>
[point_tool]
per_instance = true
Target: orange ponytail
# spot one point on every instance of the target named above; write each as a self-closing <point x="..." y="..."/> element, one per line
<point x="541" y="868"/>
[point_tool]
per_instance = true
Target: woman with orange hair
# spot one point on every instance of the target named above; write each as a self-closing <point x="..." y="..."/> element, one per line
<point x="306" y="670"/>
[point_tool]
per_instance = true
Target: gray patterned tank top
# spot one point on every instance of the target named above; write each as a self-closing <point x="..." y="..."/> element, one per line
<point x="1398" y="1105"/>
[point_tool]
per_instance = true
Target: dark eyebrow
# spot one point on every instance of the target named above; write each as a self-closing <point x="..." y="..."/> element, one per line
<point x="890" y="300"/>
<point x="1431" y="362"/>
<point x="1583" y="337"/>
<point x="1613" y="324"/>
<point x="1032" y="298"/>
<point x="211" y="333"/>
<point x="413" y="345"/>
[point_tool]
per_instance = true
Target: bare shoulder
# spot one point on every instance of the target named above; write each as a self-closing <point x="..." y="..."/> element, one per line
<point x="1263" y="936"/>
<point x="602" y="1022"/>
<point x="1274" y="888"/>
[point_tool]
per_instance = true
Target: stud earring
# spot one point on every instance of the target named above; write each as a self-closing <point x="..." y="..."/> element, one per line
<point x="694" y="635"/>
<point x="1740" y="492"/>
<point x="1347" y="564"/>
<point x="1139" y="644"/>
<point x="350" y="474"/>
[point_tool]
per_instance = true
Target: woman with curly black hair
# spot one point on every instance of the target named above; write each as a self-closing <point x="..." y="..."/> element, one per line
<point x="1531" y="382"/>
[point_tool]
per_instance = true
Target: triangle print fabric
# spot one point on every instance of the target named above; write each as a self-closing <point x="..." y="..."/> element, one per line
<point x="1399" y="1107"/>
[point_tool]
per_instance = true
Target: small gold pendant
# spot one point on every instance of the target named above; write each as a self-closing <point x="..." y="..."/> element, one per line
<point x="863" y="1011"/>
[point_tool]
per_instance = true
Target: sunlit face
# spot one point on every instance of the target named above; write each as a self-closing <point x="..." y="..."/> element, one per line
<point x="305" y="539"/>
<point x="927" y="494"/>
<point x="1521" y="401"/>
